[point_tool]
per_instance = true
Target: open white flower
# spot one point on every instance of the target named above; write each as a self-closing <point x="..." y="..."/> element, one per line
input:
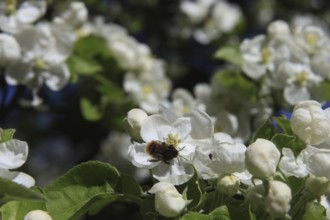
<point x="43" y="58"/>
<point x="169" y="146"/>
<point x="14" y="17"/>
<point x="13" y="154"/>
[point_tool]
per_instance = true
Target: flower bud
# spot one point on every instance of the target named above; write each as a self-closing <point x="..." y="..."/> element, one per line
<point x="255" y="195"/>
<point x="228" y="184"/>
<point x="278" y="29"/>
<point x="261" y="158"/>
<point x="133" y="122"/>
<point x="277" y="201"/>
<point x="310" y="123"/>
<point x="317" y="185"/>
<point x="168" y="201"/>
<point x="37" y="215"/>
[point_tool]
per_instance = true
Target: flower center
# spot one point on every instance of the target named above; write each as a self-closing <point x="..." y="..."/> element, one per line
<point x="265" y="55"/>
<point x="147" y="89"/>
<point x="172" y="139"/>
<point x="10" y="6"/>
<point x="311" y="39"/>
<point x="40" y="64"/>
<point x="301" y="78"/>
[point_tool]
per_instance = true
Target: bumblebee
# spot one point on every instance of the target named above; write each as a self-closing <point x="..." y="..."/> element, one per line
<point x="160" y="151"/>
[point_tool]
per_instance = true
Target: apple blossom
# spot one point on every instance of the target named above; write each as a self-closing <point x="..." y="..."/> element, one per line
<point x="133" y="122"/>
<point x="228" y="184"/>
<point x="37" y="215"/>
<point x="168" y="201"/>
<point x="278" y="198"/>
<point x="261" y="158"/>
<point x="10" y="50"/>
<point x="13" y="154"/>
<point x="310" y="123"/>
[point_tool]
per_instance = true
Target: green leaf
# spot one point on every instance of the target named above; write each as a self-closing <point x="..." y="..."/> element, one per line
<point x="83" y="66"/>
<point x="314" y="211"/>
<point x="220" y="213"/>
<point x="194" y="216"/>
<point x="130" y="186"/>
<point x="12" y="191"/>
<point x="265" y="131"/>
<point x="283" y="141"/>
<point x="16" y="210"/>
<point x="230" y="54"/>
<point x="85" y="185"/>
<point x="325" y="87"/>
<point x="89" y="110"/>
<point x="251" y="214"/>
<point x="6" y="134"/>
<point x="284" y="124"/>
<point x="92" y="46"/>
<point x="194" y="192"/>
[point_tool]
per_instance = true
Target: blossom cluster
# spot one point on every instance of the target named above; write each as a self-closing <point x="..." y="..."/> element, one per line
<point x="175" y="147"/>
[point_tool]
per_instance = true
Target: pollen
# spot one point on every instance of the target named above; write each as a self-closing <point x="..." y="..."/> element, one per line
<point x="265" y="55"/>
<point x="147" y="89"/>
<point x="10" y="6"/>
<point x="311" y="39"/>
<point x="172" y="139"/>
<point x="40" y="64"/>
<point x="301" y="78"/>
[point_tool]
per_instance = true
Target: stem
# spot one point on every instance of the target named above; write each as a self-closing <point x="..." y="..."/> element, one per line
<point x="130" y="198"/>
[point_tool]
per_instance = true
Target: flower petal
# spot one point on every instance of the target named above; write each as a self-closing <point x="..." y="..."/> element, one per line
<point x="18" y="177"/>
<point x="178" y="173"/>
<point x="182" y="127"/>
<point x="140" y="158"/>
<point x="155" y="127"/>
<point x="13" y="154"/>
<point x="202" y="125"/>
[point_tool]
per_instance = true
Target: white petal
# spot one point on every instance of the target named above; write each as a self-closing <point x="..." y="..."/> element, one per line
<point x="291" y="166"/>
<point x="140" y="158"/>
<point x="182" y="127"/>
<point x="202" y="125"/>
<point x="155" y="127"/>
<point x="30" y="11"/>
<point x="18" y="177"/>
<point x="20" y="73"/>
<point x="294" y="94"/>
<point x="13" y="154"/>
<point x="58" y="77"/>
<point x="167" y="113"/>
<point x="178" y="173"/>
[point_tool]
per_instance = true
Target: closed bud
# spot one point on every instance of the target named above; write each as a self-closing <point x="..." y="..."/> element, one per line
<point x="228" y="184"/>
<point x="310" y="123"/>
<point x="37" y="215"/>
<point x="261" y="158"/>
<point x="318" y="186"/>
<point x="168" y="201"/>
<point x="133" y="122"/>
<point x="277" y="201"/>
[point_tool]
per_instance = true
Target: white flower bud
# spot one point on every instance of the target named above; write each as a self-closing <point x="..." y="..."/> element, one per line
<point x="37" y="215"/>
<point x="261" y="158"/>
<point x="278" y="29"/>
<point x="310" y="123"/>
<point x="277" y="201"/>
<point x="9" y="49"/>
<point x="228" y="184"/>
<point x="133" y="122"/>
<point x="317" y="185"/>
<point x="168" y="201"/>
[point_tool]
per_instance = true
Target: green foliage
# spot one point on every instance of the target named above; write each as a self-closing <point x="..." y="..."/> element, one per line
<point x="16" y="210"/>
<point x="265" y="131"/>
<point x="220" y="213"/>
<point x="325" y="88"/>
<point x="80" y="188"/>
<point x="90" y="111"/>
<point x="230" y="53"/>
<point x="6" y="134"/>
<point x="314" y="211"/>
<point x="194" y="216"/>
<point x="13" y="191"/>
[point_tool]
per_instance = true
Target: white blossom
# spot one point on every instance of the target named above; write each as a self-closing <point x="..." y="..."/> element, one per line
<point x="310" y="123"/>
<point x="13" y="17"/>
<point x="13" y="155"/>
<point x="277" y="201"/>
<point x="261" y="158"/>
<point x="168" y="201"/>
<point x="228" y="184"/>
<point x="133" y="122"/>
<point x="37" y="215"/>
